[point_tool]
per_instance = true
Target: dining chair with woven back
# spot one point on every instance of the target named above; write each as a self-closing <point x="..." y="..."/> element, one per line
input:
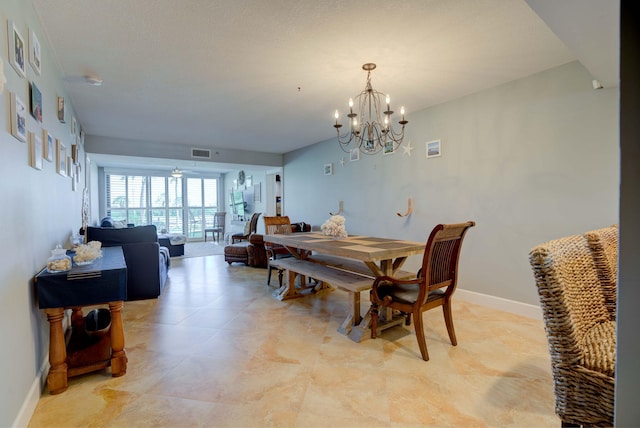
<point x="276" y="225"/>
<point x="434" y="286"/>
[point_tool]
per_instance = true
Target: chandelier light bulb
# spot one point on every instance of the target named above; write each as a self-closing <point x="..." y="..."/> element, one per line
<point x="402" y="110"/>
<point x="336" y="115"/>
<point x="388" y="99"/>
<point x="355" y="122"/>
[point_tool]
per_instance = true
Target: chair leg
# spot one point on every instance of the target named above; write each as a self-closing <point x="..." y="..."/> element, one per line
<point x="422" y="343"/>
<point x="269" y="275"/>
<point x="374" y="320"/>
<point x="448" y="320"/>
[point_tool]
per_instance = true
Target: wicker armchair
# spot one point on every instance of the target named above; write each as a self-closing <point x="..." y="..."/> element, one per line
<point x="581" y="336"/>
<point x="603" y="244"/>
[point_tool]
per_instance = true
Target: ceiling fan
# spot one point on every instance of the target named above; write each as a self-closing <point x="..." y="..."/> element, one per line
<point x="179" y="172"/>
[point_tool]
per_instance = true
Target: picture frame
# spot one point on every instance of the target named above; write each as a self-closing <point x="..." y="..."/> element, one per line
<point x="369" y="146"/>
<point x="18" y="117"/>
<point x="36" y="102"/>
<point x="433" y="149"/>
<point x="47" y="145"/>
<point x="61" y="109"/>
<point x="354" y="155"/>
<point x="70" y="168"/>
<point x="74" y="125"/>
<point x="35" y="52"/>
<point x="388" y="148"/>
<point x="17" y="50"/>
<point x="61" y="158"/>
<point x="328" y="169"/>
<point x="35" y="150"/>
<point x="74" y="153"/>
<point x="257" y="192"/>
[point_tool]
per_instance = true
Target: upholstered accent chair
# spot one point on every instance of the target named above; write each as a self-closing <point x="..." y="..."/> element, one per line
<point x="250" y="228"/>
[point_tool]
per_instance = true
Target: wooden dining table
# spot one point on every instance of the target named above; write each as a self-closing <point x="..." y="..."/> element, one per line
<point x="382" y="256"/>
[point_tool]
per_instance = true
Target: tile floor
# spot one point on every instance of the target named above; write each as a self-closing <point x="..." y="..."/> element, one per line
<point x="217" y="350"/>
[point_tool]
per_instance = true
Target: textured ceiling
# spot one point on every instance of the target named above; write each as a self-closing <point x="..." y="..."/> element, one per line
<point x="226" y="74"/>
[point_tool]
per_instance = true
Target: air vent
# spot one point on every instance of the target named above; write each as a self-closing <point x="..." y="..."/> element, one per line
<point x="201" y="153"/>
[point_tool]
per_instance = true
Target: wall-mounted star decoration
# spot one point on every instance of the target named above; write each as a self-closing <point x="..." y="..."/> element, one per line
<point x="407" y="148"/>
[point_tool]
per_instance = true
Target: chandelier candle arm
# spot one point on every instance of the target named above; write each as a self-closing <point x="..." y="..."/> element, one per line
<point x="375" y="131"/>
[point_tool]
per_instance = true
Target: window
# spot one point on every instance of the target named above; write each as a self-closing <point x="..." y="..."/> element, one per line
<point x="202" y="198"/>
<point x="147" y="199"/>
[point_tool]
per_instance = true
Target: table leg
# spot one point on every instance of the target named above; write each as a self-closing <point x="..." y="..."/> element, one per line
<point x="288" y="290"/>
<point x="77" y="318"/>
<point x="362" y="331"/>
<point x="57" y="378"/>
<point x="354" y="318"/>
<point x="118" y="353"/>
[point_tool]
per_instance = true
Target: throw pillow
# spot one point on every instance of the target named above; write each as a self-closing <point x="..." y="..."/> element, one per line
<point x="247" y="228"/>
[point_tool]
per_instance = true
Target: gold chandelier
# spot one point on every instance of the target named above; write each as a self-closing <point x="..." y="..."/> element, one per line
<point x="370" y="128"/>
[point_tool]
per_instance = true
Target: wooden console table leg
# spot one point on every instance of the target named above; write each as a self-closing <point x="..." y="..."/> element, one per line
<point x="118" y="354"/>
<point x="57" y="378"/>
<point x="77" y="318"/>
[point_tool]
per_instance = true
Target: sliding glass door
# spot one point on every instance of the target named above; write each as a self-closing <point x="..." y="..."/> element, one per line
<point x="147" y="199"/>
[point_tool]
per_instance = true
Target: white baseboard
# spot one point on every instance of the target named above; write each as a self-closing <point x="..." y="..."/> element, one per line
<point x="518" y="308"/>
<point x="31" y="400"/>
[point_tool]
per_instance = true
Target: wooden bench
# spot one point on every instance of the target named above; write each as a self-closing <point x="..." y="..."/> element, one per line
<point x="346" y="274"/>
<point x="352" y="265"/>
<point x="352" y="283"/>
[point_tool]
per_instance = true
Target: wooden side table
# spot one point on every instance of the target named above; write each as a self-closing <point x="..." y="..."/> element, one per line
<point x="103" y="282"/>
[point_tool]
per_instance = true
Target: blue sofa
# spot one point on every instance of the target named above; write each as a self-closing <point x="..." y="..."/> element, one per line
<point x="147" y="262"/>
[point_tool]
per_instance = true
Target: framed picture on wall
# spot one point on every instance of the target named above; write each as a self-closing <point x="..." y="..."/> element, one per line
<point x="17" y="49"/>
<point x="18" y="117"/>
<point x="61" y="158"/>
<point x="35" y="150"/>
<point x="70" y="168"/>
<point x="61" y="109"/>
<point x="74" y="153"/>
<point x="354" y="155"/>
<point x="36" y="102"/>
<point x="35" y="54"/>
<point x="388" y="148"/>
<point x="433" y="149"/>
<point x="328" y="169"/>
<point x="74" y="125"/>
<point x="47" y="142"/>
